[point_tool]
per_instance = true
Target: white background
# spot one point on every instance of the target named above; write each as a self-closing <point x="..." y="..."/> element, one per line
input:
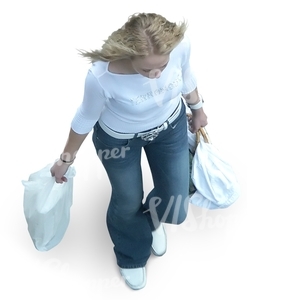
<point x="246" y="58"/>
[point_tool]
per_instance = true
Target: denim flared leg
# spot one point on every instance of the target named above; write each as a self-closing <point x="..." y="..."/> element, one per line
<point x="128" y="226"/>
<point x="129" y="221"/>
<point x="168" y="159"/>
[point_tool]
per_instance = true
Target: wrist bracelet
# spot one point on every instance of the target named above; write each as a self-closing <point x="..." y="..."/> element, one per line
<point x="65" y="161"/>
<point x="196" y="106"/>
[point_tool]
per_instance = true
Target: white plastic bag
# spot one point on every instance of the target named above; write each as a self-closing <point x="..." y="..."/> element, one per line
<point x="47" y="206"/>
<point x="215" y="182"/>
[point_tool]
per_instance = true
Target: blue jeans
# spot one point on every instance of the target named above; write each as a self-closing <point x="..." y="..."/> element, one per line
<point x="131" y="218"/>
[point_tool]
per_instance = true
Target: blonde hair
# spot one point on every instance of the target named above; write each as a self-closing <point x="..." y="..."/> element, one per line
<point x="141" y="35"/>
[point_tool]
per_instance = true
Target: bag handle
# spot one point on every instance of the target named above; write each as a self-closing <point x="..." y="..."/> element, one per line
<point x="202" y="132"/>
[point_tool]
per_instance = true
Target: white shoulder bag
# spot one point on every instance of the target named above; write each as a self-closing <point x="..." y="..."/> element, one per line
<point x="212" y="177"/>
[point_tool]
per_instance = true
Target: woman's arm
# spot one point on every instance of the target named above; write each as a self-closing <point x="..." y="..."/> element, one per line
<point x="86" y="116"/>
<point x="68" y="156"/>
<point x="195" y="103"/>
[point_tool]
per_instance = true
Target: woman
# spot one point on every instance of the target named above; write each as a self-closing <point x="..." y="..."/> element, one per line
<point x="134" y="98"/>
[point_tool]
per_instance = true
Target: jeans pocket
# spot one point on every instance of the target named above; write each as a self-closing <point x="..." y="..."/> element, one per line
<point x="174" y="124"/>
<point x="179" y="121"/>
<point x="108" y="147"/>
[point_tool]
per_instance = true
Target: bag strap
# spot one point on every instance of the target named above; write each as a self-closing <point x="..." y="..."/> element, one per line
<point x="202" y="132"/>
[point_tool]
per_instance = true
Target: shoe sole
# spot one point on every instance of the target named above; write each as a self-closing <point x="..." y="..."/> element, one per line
<point x="157" y="254"/>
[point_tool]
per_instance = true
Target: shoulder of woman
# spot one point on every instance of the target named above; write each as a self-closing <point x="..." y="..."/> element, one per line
<point x="183" y="48"/>
<point x="186" y="42"/>
<point x="98" y="68"/>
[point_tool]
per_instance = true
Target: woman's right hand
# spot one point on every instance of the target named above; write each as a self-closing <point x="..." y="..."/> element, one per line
<point x="58" y="170"/>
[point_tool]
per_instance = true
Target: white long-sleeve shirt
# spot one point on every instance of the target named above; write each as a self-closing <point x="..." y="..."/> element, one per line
<point x="131" y="103"/>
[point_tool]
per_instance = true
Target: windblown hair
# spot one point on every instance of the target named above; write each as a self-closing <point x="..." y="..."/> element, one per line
<point x="141" y="35"/>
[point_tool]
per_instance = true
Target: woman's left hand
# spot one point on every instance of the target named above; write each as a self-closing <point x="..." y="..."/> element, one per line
<point x="198" y="119"/>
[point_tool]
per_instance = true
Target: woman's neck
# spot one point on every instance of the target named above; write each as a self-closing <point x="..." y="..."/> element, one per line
<point x="122" y="66"/>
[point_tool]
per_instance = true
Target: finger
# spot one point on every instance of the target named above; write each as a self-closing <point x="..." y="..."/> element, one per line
<point x="61" y="180"/>
<point x="192" y="129"/>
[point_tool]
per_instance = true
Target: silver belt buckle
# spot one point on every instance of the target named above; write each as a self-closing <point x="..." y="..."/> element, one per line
<point x="150" y="136"/>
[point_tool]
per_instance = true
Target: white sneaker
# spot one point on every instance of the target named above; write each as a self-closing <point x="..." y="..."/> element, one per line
<point x="135" y="278"/>
<point x="159" y="242"/>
